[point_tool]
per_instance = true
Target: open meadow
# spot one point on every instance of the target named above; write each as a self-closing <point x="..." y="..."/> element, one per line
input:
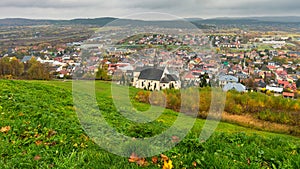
<point x="40" y="129"/>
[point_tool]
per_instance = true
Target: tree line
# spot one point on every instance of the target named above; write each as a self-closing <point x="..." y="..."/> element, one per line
<point x="12" y="68"/>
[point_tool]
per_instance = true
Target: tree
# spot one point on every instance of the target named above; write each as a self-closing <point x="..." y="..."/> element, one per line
<point x="102" y="73"/>
<point x="5" y="67"/>
<point x="17" y="67"/>
<point x="203" y="80"/>
<point x="37" y="70"/>
<point x="123" y="81"/>
<point x="11" y="67"/>
<point x="250" y="83"/>
<point x="280" y="60"/>
<point x="290" y="70"/>
<point x="298" y="83"/>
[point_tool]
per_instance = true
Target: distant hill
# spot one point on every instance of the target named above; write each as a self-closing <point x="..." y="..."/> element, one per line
<point x="199" y="22"/>
<point x="283" y="19"/>
<point x="95" y="21"/>
<point x="228" y="21"/>
<point x="252" y="20"/>
<point x="28" y="22"/>
<point x="194" y="19"/>
<point x="25" y="22"/>
<point x="99" y="22"/>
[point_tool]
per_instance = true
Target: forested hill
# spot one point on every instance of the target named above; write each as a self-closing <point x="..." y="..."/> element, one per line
<point x="294" y="20"/>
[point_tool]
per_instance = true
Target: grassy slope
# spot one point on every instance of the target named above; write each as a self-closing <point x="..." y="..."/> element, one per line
<point x="44" y="124"/>
<point x="223" y="127"/>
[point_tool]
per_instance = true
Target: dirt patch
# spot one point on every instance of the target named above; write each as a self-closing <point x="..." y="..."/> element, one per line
<point x="249" y="121"/>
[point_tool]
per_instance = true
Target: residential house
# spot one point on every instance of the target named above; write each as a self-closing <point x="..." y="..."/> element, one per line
<point x="234" y="86"/>
<point x="223" y="80"/>
<point x="156" y="79"/>
<point x="241" y="75"/>
<point x="26" y="58"/>
<point x="288" y="95"/>
<point x="277" y="90"/>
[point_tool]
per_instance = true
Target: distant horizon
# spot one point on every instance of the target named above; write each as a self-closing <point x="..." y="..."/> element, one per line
<point x="70" y="9"/>
<point x="190" y="17"/>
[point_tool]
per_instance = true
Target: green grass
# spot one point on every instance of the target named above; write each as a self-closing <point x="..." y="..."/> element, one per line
<point x="46" y="133"/>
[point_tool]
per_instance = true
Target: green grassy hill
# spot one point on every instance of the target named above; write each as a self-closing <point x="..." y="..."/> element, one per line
<point x="40" y="129"/>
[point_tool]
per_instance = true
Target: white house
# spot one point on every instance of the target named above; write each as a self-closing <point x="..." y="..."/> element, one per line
<point x="276" y="90"/>
<point x="155" y="79"/>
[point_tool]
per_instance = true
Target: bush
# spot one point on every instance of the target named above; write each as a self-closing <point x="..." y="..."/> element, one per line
<point x="257" y="105"/>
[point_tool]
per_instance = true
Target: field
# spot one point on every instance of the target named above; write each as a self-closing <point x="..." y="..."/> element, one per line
<point x="40" y="129"/>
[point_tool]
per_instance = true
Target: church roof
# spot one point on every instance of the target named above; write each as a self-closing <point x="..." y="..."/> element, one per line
<point x="151" y="74"/>
<point x="169" y="78"/>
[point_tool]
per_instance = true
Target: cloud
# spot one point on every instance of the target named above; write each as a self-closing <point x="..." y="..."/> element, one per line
<point x="46" y="3"/>
<point x="118" y="8"/>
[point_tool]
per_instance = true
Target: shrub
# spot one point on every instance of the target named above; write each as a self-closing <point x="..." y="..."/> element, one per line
<point x="258" y="105"/>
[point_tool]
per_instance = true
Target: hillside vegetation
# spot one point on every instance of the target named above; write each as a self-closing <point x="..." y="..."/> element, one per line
<point x="40" y="129"/>
<point x="248" y="109"/>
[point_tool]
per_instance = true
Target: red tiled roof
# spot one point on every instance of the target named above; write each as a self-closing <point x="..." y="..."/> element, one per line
<point x="291" y="86"/>
<point x="287" y="94"/>
<point x="287" y="84"/>
<point x="198" y="71"/>
<point x="271" y="67"/>
<point x="63" y="72"/>
<point x="189" y="76"/>
<point x="281" y="72"/>
<point x="282" y="82"/>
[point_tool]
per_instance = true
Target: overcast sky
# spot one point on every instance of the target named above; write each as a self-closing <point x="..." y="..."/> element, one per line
<point x="69" y="9"/>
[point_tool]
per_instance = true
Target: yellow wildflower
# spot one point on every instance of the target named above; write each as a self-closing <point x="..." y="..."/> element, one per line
<point x="168" y="165"/>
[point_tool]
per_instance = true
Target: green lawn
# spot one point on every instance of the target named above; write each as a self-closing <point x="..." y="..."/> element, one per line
<point x="45" y="133"/>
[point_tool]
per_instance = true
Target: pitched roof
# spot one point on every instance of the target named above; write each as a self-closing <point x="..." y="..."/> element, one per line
<point x="229" y="78"/>
<point x="151" y="74"/>
<point x="242" y="75"/>
<point x="261" y="84"/>
<point x="141" y="68"/>
<point x="165" y="80"/>
<point x="265" y="68"/>
<point x="234" y="86"/>
<point x="26" y="58"/>
<point x="271" y="67"/>
<point x="171" y="77"/>
<point x="284" y="83"/>
<point x="287" y="94"/>
<point x="189" y="76"/>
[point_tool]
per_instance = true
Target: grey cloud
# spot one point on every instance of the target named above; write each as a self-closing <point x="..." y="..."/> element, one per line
<point x="119" y="8"/>
<point x="155" y="4"/>
<point x="46" y="3"/>
<point x="264" y="7"/>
